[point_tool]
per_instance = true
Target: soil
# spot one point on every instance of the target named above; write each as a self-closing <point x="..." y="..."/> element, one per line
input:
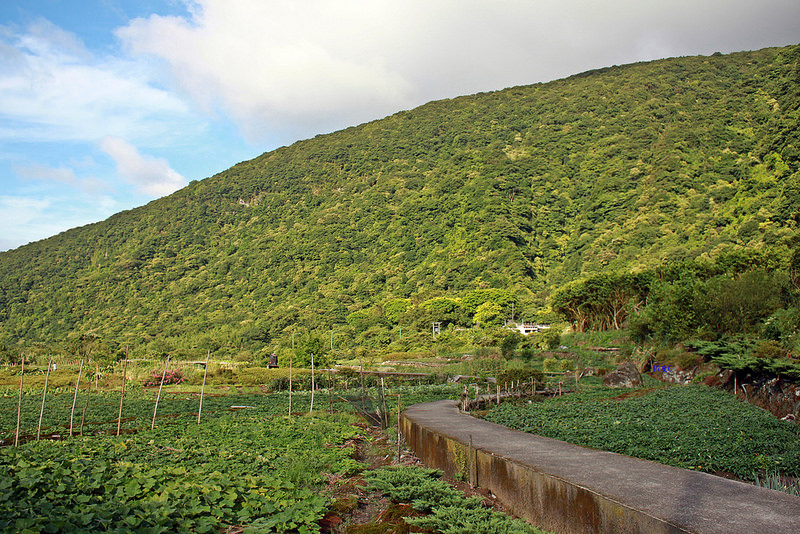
<point x="356" y="510"/>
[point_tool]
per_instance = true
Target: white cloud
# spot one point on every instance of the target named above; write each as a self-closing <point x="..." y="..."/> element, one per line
<point x="53" y="89"/>
<point x="308" y="66"/>
<point x="152" y="176"/>
<point x="27" y="219"/>
<point x="37" y="171"/>
<point x="63" y="175"/>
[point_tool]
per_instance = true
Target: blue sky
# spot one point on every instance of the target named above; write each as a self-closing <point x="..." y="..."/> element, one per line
<point x="108" y="104"/>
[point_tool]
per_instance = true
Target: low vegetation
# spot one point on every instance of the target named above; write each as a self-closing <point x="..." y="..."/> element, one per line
<point x="693" y="427"/>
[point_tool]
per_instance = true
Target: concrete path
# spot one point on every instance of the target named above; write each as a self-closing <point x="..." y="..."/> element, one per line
<point x="684" y="500"/>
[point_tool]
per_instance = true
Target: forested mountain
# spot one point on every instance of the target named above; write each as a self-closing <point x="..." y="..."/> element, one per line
<point x="521" y="190"/>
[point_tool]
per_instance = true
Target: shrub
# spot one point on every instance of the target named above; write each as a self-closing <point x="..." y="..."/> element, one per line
<point x="171" y="376"/>
<point x="521" y="375"/>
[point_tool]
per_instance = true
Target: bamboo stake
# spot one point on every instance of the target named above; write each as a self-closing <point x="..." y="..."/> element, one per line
<point x="290" y="385"/>
<point x="311" y="409"/>
<point x="19" y="400"/>
<point x="85" y="407"/>
<point x="203" y="389"/>
<point x="330" y="392"/>
<point x="44" y="395"/>
<point x="122" y="395"/>
<point x="158" y="397"/>
<point x="398" y="428"/>
<point x="363" y="391"/>
<point x="385" y="409"/>
<point x="75" y="398"/>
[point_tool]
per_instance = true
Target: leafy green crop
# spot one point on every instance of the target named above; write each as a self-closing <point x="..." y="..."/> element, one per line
<point x="450" y="512"/>
<point x="181" y="408"/>
<point x="693" y="427"/>
<point x="233" y="470"/>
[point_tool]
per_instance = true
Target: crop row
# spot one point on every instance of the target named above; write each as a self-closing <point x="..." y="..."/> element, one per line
<point x="234" y="470"/>
<point x="102" y="409"/>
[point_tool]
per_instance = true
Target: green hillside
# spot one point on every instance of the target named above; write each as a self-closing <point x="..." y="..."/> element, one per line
<point x="520" y="190"/>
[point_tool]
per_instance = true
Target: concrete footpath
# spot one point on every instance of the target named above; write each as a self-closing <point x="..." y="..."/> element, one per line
<point x="568" y="488"/>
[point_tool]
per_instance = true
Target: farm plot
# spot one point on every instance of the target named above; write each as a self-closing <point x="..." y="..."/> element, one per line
<point x="234" y="470"/>
<point x="693" y="427"/>
<point x="97" y="412"/>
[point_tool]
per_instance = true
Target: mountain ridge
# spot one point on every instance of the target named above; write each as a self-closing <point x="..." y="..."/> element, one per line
<point x="526" y="188"/>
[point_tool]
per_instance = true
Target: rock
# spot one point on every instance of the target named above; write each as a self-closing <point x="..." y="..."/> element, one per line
<point x="624" y="376"/>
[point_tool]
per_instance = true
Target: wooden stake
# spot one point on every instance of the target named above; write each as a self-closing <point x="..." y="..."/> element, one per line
<point x="203" y="389"/>
<point x="290" y="385"/>
<point x="44" y="395"/>
<point x="75" y="398"/>
<point x="311" y="408"/>
<point x="330" y="392"/>
<point x="19" y="400"/>
<point x="363" y="391"/>
<point x="85" y="407"/>
<point x="385" y="409"/>
<point x="158" y="397"/>
<point x="122" y="395"/>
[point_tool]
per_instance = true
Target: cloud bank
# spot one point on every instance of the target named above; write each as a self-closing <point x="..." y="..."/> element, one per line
<point x="152" y="176"/>
<point x="53" y="89"/>
<point x="309" y="66"/>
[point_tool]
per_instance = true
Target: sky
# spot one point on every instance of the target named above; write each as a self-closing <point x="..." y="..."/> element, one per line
<point x="106" y="105"/>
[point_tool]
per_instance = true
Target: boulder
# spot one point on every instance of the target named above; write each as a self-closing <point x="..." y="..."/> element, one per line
<point x="624" y="376"/>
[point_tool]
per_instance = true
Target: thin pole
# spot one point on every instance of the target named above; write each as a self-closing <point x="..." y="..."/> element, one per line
<point x="385" y="414"/>
<point x="311" y="409"/>
<point x="203" y="389"/>
<point x="330" y="392"/>
<point x="290" y="380"/>
<point x="19" y="399"/>
<point x="122" y="395"/>
<point x="85" y="407"/>
<point x="158" y="397"/>
<point x="75" y="397"/>
<point x="44" y="395"/>
<point x="398" y="428"/>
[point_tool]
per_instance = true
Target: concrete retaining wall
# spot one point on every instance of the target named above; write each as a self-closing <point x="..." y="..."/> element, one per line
<point x="567" y="488"/>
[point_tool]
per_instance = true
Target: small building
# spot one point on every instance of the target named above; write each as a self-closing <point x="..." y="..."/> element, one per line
<point x="526" y="328"/>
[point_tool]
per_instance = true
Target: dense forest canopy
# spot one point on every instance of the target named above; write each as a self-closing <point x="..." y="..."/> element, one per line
<point x="454" y="211"/>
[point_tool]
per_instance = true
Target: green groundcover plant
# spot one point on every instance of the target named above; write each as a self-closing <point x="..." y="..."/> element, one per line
<point x="449" y="511"/>
<point x="694" y="427"/>
<point x="263" y="474"/>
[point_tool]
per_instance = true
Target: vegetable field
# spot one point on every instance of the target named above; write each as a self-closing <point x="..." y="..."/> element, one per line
<point x="247" y="464"/>
<point x="102" y="408"/>
<point x="237" y="469"/>
<point x="693" y="427"/>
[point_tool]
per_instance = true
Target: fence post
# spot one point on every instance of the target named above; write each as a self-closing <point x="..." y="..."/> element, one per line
<point x="19" y="399"/>
<point x="44" y="395"/>
<point x="203" y="389"/>
<point x="158" y="397"/>
<point x="122" y="395"/>
<point x="75" y="397"/>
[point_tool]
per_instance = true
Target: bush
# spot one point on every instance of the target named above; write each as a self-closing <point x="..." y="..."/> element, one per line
<point x="521" y="375"/>
<point x="171" y="376"/>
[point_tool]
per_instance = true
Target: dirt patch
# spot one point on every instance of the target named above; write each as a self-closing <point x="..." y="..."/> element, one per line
<point x="634" y="394"/>
<point x="356" y="510"/>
